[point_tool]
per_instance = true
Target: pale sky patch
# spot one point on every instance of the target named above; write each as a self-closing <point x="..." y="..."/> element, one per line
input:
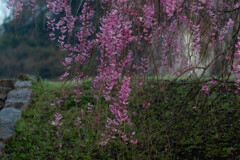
<point x="4" y="12"/>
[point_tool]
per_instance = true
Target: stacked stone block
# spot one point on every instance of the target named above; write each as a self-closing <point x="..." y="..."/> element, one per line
<point x="15" y="97"/>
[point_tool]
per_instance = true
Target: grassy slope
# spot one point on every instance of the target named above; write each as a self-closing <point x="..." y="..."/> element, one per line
<point x="169" y="129"/>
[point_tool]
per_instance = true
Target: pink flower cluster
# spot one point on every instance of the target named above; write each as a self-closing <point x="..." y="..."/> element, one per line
<point x="213" y="82"/>
<point x="171" y="6"/>
<point x="225" y="30"/>
<point x="195" y="108"/>
<point x="205" y="89"/>
<point x="58" y="117"/>
<point x="236" y="65"/>
<point x="57" y="123"/>
<point x="196" y="38"/>
<point x="115" y="35"/>
<point x="146" y="106"/>
<point x="17" y="5"/>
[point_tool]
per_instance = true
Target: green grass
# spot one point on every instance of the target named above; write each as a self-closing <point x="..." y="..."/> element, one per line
<point x="169" y="129"/>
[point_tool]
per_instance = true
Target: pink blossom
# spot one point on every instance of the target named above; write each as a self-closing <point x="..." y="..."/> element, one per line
<point x="146" y="106"/>
<point x="134" y="113"/>
<point x="97" y="118"/>
<point x="134" y="141"/>
<point x="228" y="58"/>
<point x="68" y="60"/>
<point x="205" y="89"/>
<point x="237" y="5"/>
<point x="64" y="75"/>
<point x="213" y="82"/>
<point x="57" y="123"/>
<point x="59" y="101"/>
<point x="89" y="104"/>
<point x="195" y="108"/>
<point x="124" y="137"/>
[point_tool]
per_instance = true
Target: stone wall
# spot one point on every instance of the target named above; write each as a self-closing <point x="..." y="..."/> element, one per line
<point x="15" y="96"/>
